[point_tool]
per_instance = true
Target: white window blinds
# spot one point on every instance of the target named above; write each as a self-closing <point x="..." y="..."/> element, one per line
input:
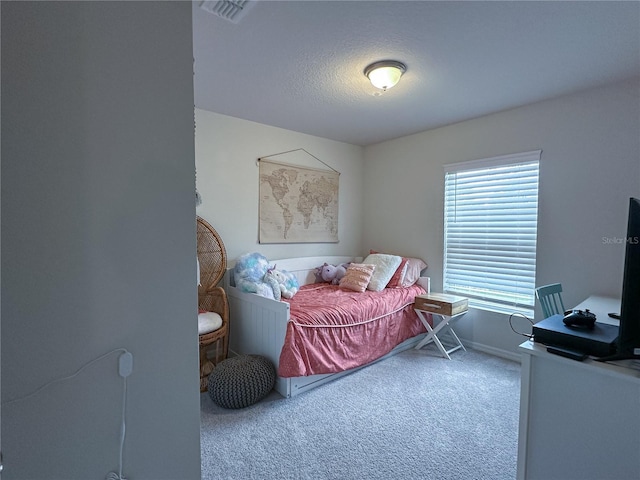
<point x="490" y="224"/>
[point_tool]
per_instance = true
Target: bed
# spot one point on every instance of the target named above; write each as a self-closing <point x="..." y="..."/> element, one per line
<point x="290" y="332"/>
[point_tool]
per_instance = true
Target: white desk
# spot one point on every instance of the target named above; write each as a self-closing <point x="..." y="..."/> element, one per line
<point x="578" y="420"/>
<point x="441" y="327"/>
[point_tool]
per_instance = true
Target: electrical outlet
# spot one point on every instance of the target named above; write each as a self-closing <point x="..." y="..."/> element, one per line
<point x="125" y="364"/>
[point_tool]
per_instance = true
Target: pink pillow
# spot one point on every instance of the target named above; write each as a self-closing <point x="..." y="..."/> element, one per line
<point x="414" y="267"/>
<point x="357" y="277"/>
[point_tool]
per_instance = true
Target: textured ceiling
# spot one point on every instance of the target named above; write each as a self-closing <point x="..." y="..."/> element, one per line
<point x="299" y="64"/>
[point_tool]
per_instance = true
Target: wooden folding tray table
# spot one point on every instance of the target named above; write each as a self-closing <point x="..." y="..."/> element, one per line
<point x="448" y="308"/>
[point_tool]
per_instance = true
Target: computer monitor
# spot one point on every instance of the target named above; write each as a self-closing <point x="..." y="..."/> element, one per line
<point x="628" y="344"/>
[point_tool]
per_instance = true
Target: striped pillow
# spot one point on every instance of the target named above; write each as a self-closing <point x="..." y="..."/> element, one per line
<point x="357" y="277"/>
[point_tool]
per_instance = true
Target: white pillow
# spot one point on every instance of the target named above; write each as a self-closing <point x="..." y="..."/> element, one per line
<point x="208" y="322"/>
<point x="386" y="266"/>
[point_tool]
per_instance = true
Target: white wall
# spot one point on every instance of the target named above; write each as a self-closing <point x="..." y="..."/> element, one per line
<point x="98" y="239"/>
<point x="227" y="150"/>
<point x="590" y="166"/>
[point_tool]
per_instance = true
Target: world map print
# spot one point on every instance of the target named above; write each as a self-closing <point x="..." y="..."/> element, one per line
<point x="297" y="204"/>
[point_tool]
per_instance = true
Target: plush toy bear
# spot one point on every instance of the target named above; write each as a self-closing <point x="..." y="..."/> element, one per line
<point x="283" y="283"/>
<point x="333" y="273"/>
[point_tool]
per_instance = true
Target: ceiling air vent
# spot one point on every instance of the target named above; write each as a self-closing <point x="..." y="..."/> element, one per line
<point x="232" y="10"/>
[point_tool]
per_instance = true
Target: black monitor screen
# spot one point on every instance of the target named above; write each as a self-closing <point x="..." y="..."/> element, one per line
<point x="629" y="334"/>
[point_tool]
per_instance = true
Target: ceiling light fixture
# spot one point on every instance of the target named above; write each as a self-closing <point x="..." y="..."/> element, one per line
<point x="385" y="74"/>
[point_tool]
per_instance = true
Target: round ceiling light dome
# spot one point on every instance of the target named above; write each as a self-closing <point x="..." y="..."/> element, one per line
<point x="385" y="74"/>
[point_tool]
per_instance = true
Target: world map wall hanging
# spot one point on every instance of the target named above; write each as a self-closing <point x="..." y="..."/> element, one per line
<point x="298" y="203"/>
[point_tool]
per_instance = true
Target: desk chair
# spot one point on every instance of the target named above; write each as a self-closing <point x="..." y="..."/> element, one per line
<point x="550" y="297"/>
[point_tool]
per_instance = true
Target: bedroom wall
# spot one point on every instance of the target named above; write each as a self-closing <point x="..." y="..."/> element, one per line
<point x="98" y="240"/>
<point x="590" y="166"/>
<point x="227" y="150"/>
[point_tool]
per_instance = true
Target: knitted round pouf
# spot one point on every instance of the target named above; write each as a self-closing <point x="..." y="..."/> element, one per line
<point x="238" y="382"/>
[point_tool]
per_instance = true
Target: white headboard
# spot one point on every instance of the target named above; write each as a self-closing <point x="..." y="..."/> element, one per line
<point x="303" y="267"/>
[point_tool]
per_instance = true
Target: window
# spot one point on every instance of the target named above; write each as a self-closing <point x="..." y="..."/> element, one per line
<point x="490" y="224"/>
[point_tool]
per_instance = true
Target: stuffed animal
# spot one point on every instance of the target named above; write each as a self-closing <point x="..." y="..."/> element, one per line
<point x="283" y="283"/>
<point x="249" y="272"/>
<point x="341" y="270"/>
<point x="333" y="273"/>
<point x="327" y="272"/>
<point x="318" y="274"/>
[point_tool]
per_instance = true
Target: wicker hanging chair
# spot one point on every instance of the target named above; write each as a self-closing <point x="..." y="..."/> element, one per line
<point x="212" y="259"/>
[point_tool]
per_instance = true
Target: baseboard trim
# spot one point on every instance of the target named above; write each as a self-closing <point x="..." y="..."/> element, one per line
<point x="497" y="352"/>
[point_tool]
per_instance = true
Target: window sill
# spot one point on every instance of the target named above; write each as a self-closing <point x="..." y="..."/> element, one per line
<point x="497" y="308"/>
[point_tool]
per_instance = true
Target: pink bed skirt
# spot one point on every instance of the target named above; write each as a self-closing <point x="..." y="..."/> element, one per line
<point x="333" y="329"/>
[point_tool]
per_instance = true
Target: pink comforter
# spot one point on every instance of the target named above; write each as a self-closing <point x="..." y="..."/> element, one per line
<point x="333" y="329"/>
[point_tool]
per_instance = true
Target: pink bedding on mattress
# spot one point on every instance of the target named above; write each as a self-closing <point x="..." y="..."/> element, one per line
<point x="333" y="329"/>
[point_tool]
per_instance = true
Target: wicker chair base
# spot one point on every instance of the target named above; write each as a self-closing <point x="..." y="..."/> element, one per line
<point x="215" y="343"/>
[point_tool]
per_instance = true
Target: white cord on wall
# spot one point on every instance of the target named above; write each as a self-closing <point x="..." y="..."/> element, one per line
<point x="125" y="367"/>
